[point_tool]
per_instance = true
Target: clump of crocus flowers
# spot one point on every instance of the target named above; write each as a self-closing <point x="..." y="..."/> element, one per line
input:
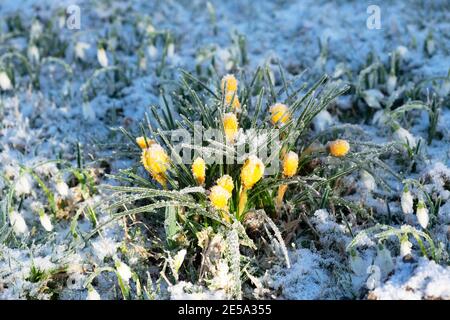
<point x="157" y="162"/>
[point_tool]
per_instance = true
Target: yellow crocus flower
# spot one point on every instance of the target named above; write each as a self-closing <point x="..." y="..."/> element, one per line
<point x="226" y="182"/>
<point x="252" y="171"/>
<point x="339" y="148"/>
<point x="290" y="164"/>
<point x="156" y="162"/>
<point x="199" y="170"/>
<point x="231" y="126"/>
<point x="235" y="104"/>
<point x="219" y="197"/>
<point x="279" y="113"/>
<point x="229" y="83"/>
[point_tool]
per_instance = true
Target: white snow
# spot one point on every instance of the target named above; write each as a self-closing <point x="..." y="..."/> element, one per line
<point x="426" y="280"/>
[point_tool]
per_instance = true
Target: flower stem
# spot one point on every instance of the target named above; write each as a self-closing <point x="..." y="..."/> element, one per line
<point x="281" y="191"/>
<point x="242" y="202"/>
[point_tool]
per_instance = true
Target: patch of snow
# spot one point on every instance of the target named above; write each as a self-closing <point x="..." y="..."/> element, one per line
<point x="426" y="280"/>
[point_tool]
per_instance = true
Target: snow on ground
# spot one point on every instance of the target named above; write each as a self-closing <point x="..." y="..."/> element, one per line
<point x="426" y="280"/>
<point x="319" y="36"/>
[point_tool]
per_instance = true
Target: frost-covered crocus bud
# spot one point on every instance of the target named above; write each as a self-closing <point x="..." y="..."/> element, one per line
<point x="229" y="84"/>
<point x="93" y="294"/>
<point x="406" y="201"/>
<point x="404" y="136"/>
<point x="339" y="148"/>
<point x="199" y="170"/>
<point x="123" y="271"/>
<point x="235" y="104"/>
<point x="219" y="197"/>
<point x="141" y="142"/>
<point x="156" y="161"/>
<point x="405" y="247"/>
<point x="18" y="223"/>
<point x="5" y="82"/>
<point x="422" y="214"/>
<point x="231" y="126"/>
<point x="373" y="98"/>
<point x="279" y="114"/>
<point x="102" y="57"/>
<point x="290" y="164"/>
<point x="45" y="221"/>
<point x="402" y="52"/>
<point x="226" y="182"/>
<point x="252" y="171"/>
<point x="430" y="44"/>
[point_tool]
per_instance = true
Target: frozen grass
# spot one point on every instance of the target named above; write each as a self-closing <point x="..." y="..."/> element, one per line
<point x="68" y="110"/>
